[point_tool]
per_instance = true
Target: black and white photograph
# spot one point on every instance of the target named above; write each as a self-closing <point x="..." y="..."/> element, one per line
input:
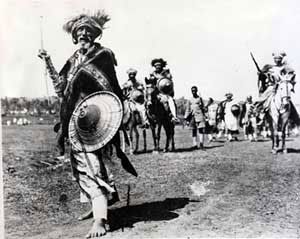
<point x="150" y="119"/>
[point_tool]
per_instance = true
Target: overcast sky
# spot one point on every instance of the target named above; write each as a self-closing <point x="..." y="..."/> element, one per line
<point x="205" y="42"/>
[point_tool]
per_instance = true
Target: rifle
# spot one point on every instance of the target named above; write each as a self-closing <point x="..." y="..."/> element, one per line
<point x="261" y="82"/>
<point x="257" y="67"/>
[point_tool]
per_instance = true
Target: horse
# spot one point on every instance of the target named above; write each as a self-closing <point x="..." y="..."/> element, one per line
<point x="279" y="112"/>
<point x="159" y="115"/>
<point x="134" y="116"/>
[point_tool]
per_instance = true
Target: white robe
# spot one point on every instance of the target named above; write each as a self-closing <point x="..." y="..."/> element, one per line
<point x="231" y="122"/>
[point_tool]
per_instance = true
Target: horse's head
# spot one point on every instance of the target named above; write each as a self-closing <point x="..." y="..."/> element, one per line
<point x="284" y="88"/>
<point x="151" y="93"/>
<point x="263" y="77"/>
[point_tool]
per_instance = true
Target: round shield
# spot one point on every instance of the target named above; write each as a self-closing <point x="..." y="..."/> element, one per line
<point x="235" y="109"/>
<point x="95" y="121"/>
<point x="165" y="86"/>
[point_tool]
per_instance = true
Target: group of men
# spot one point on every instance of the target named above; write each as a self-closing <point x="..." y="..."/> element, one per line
<point x="250" y="114"/>
<point x="92" y="69"/>
<point x="135" y="90"/>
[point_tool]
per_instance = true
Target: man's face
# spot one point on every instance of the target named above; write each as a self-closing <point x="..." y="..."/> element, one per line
<point x="278" y="61"/>
<point x="158" y="67"/>
<point x="194" y="91"/>
<point x="131" y="76"/>
<point x="229" y="97"/>
<point x="85" y="36"/>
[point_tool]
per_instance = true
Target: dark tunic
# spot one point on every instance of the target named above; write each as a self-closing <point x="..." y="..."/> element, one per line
<point x="100" y="57"/>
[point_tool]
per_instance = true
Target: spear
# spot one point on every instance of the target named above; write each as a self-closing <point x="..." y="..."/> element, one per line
<point x="42" y="48"/>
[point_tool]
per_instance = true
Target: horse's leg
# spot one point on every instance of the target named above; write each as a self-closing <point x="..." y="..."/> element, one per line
<point x="172" y="137"/>
<point x="245" y="131"/>
<point x="283" y="136"/>
<point x="145" y="140"/>
<point x="254" y="125"/>
<point x="153" y="130"/>
<point x="137" y="136"/>
<point x="275" y="138"/>
<point x="167" y="131"/>
<point x="158" y="135"/>
<point x="272" y="128"/>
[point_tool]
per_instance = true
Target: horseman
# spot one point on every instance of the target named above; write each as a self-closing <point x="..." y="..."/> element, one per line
<point x="195" y="116"/>
<point x="133" y="92"/>
<point x="131" y="85"/>
<point x="89" y="70"/>
<point x="268" y="79"/>
<point x="161" y="78"/>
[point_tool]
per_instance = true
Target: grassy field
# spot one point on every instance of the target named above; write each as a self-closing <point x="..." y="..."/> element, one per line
<point x="236" y="189"/>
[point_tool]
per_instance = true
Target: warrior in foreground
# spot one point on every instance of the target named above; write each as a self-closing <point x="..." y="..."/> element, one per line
<point x="90" y="69"/>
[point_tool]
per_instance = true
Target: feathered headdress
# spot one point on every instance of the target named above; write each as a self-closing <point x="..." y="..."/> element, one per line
<point x="95" y="21"/>
<point x="159" y="60"/>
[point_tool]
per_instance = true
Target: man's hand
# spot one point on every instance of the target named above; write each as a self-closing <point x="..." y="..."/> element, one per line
<point x="43" y="54"/>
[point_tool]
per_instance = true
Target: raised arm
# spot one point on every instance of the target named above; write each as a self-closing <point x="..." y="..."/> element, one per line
<point x="58" y="81"/>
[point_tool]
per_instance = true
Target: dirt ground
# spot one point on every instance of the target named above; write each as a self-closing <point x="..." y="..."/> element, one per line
<point x="236" y="189"/>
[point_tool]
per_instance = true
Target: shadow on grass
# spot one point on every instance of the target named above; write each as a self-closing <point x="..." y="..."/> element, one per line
<point x="179" y="150"/>
<point x="144" y="152"/>
<point x="295" y="151"/>
<point x="263" y="140"/>
<point x="213" y="146"/>
<point x="153" y="211"/>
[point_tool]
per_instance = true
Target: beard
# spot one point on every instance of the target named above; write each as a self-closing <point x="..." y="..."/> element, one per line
<point x="85" y="42"/>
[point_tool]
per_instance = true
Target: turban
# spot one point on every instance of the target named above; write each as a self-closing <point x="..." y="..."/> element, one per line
<point x="131" y="71"/>
<point x="96" y="22"/>
<point x="281" y="54"/>
<point x="229" y="95"/>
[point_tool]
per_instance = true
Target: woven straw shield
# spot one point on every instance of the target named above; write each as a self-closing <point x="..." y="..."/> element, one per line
<point x="109" y="110"/>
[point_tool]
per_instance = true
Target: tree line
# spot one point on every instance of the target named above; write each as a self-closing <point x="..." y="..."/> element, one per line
<point x="32" y="106"/>
<point x="40" y="106"/>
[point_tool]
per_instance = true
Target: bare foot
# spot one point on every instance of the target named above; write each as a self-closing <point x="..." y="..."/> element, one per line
<point x="86" y="215"/>
<point x="98" y="229"/>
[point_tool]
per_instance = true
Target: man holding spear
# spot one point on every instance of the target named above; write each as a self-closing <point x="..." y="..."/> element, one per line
<point x="91" y="113"/>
